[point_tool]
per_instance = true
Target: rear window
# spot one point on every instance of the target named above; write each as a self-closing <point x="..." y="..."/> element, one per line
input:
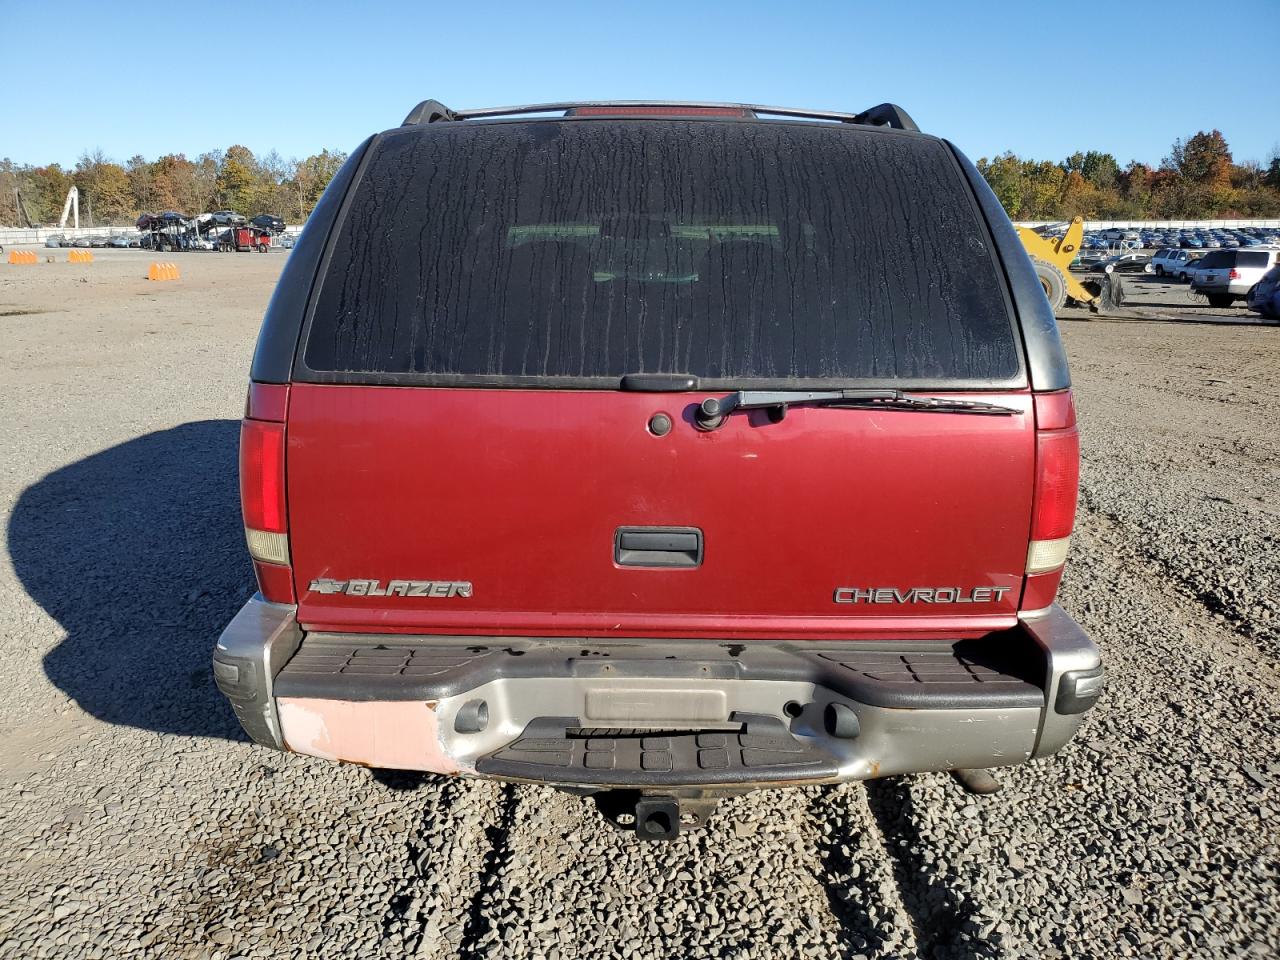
<point x="1216" y="260"/>
<point x="1252" y="258"/>
<point x="578" y="252"/>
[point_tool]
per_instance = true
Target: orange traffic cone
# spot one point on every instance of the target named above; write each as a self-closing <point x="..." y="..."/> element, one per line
<point x="163" y="271"/>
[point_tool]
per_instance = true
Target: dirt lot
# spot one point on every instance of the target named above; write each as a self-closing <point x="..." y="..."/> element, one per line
<point x="136" y="820"/>
<point x="1146" y="296"/>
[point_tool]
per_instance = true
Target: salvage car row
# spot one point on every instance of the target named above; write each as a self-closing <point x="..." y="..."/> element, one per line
<point x="1186" y="238"/>
<point x="1224" y="277"/>
<point x="147" y="241"/>
<point x="170" y="230"/>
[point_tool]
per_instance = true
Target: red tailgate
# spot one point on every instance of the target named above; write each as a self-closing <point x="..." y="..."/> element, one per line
<point x="520" y="493"/>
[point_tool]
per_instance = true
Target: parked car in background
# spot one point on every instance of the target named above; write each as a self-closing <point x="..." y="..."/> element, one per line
<point x="1225" y="276"/>
<point x="1087" y="262"/>
<point x="226" y="217"/>
<point x="1170" y="260"/>
<point x="1188" y="269"/>
<point x="1125" y="263"/>
<point x="269" y="223"/>
<point x="1264" y="296"/>
<point x="118" y="240"/>
<point x="54" y="241"/>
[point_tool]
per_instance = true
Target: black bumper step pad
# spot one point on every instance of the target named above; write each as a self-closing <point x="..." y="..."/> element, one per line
<point x="997" y="672"/>
<point x="555" y="749"/>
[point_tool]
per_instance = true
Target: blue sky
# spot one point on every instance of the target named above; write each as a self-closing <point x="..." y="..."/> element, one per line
<point x="1123" y="77"/>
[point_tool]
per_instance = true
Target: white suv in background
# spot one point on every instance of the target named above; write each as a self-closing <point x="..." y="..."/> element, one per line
<point x="1172" y="262"/>
<point x="1227" y="275"/>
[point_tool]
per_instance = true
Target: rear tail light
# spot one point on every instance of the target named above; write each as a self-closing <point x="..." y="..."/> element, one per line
<point x="1234" y="274"/>
<point x="1053" y="511"/>
<point x="262" y="492"/>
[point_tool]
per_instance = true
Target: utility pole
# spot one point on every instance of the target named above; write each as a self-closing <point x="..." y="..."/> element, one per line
<point x="22" y="209"/>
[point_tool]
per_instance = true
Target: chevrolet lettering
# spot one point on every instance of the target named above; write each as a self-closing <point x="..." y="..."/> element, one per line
<point x="920" y="595"/>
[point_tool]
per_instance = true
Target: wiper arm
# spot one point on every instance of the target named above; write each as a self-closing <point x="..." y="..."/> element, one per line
<point x="711" y="413"/>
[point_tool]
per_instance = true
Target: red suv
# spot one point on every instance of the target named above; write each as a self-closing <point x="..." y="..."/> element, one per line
<point x="660" y="451"/>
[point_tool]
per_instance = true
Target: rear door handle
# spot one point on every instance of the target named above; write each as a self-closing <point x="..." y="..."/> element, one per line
<point x="657" y="546"/>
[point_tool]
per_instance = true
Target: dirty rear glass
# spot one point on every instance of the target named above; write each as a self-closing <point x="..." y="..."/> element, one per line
<point x="581" y="251"/>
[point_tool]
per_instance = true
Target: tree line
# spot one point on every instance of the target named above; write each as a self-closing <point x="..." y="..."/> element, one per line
<point x="1197" y="180"/>
<point x="112" y="193"/>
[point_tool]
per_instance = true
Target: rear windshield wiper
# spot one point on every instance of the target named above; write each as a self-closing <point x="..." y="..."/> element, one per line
<point x="711" y="413"/>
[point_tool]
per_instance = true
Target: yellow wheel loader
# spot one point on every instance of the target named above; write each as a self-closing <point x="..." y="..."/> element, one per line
<point x="1052" y="261"/>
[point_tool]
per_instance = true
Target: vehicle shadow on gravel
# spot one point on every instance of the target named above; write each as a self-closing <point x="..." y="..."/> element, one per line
<point x="944" y="921"/>
<point x="138" y="553"/>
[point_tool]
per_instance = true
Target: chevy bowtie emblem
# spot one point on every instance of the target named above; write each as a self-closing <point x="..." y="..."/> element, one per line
<point x="394" y="588"/>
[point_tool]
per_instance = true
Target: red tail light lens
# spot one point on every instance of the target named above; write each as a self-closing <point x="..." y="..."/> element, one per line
<point x="1057" y="481"/>
<point x="262" y="475"/>
<point x="275" y="582"/>
<point x="1234" y="274"/>
<point x="1053" y="510"/>
<point x="262" y="490"/>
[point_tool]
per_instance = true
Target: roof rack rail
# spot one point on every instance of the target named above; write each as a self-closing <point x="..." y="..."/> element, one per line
<point x="887" y="115"/>
<point x="882" y="115"/>
<point x="428" y="111"/>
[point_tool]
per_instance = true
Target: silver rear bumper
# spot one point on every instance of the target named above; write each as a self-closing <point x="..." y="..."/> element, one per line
<point x="599" y="714"/>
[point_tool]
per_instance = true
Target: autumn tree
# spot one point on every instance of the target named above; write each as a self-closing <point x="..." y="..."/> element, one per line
<point x="237" y="182"/>
<point x="46" y="191"/>
<point x="1199" y="178"/>
<point x="1204" y="159"/>
<point x="1100" y="169"/>
<point x="104" y="188"/>
<point x="141" y="182"/>
<point x="1272" y="177"/>
<point x="310" y="178"/>
<point x="1004" y="175"/>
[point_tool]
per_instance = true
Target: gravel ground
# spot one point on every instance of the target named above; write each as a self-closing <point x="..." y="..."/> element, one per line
<point x="137" y="821"/>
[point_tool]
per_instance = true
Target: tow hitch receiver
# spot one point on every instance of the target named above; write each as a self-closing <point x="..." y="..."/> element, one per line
<point x="658" y="816"/>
